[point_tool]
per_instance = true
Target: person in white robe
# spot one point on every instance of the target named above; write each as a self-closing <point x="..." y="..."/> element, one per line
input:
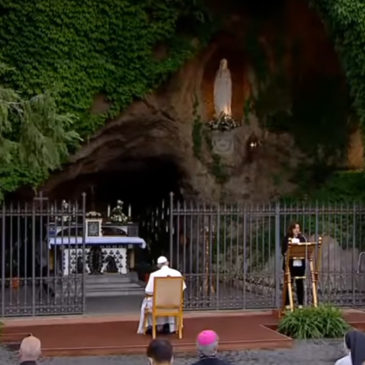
<point x="164" y="271"/>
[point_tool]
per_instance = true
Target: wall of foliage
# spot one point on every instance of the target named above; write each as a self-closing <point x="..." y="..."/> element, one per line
<point x="346" y="24"/>
<point x="124" y="49"/>
<point x="79" y="49"/>
<point x="75" y="50"/>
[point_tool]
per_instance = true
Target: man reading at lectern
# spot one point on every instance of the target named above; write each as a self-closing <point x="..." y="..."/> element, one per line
<point x="297" y="267"/>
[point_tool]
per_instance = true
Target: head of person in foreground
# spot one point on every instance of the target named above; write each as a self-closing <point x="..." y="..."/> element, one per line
<point x="355" y="343"/>
<point x="207" y="343"/>
<point x="160" y="352"/>
<point x="30" y="349"/>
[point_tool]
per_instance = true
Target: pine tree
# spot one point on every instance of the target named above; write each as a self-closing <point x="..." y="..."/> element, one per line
<point x="34" y="138"/>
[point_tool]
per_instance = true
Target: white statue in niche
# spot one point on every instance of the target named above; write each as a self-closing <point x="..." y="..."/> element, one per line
<point x="223" y="90"/>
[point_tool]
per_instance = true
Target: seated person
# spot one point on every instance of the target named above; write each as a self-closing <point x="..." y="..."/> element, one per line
<point x="164" y="271"/>
<point x="159" y="352"/>
<point x="207" y="344"/>
<point x="29" y="351"/>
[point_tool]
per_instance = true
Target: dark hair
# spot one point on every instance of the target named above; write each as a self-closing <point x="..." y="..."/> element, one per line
<point x="160" y="350"/>
<point x="291" y="227"/>
<point x="355" y="342"/>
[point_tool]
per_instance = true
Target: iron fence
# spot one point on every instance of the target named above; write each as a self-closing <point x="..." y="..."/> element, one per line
<point x="32" y="269"/>
<point x="231" y="256"/>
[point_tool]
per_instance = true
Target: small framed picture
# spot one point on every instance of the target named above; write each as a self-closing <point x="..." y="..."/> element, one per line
<point x="93" y="228"/>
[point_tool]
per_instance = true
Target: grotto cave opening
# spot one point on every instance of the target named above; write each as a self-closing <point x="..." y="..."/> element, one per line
<point x="141" y="183"/>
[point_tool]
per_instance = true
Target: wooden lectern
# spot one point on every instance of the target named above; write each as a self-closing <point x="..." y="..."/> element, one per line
<point x="309" y="251"/>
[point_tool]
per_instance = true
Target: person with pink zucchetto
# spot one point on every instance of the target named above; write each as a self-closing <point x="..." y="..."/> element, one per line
<point x="207" y="344"/>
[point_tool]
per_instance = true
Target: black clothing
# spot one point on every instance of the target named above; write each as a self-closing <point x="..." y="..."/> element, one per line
<point x="355" y="342"/>
<point x="165" y="330"/>
<point x="210" y="360"/>
<point x="285" y="243"/>
<point x="294" y="270"/>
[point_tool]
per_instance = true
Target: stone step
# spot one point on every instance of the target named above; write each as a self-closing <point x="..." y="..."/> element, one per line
<point x="114" y="292"/>
<point x="112" y="288"/>
<point x="111" y="278"/>
<point x="108" y="280"/>
<point x="110" y="285"/>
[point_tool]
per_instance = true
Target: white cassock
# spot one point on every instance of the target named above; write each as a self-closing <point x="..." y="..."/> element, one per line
<point x="147" y="301"/>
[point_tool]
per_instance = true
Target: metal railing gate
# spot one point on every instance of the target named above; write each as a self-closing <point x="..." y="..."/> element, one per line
<point x="231" y="256"/>
<point x="32" y="279"/>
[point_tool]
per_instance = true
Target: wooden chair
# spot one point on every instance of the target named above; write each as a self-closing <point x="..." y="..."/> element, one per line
<point x="167" y="301"/>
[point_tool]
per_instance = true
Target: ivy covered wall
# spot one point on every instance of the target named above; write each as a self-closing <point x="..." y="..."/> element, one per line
<point x="77" y="50"/>
<point x="345" y="20"/>
<point x="122" y="49"/>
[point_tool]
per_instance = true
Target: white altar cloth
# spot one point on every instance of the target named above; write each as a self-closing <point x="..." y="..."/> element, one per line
<point x="98" y="240"/>
<point x="115" y="246"/>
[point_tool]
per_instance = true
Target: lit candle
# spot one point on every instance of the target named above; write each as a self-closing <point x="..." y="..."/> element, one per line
<point x="129" y="211"/>
<point x="108" y="213"/>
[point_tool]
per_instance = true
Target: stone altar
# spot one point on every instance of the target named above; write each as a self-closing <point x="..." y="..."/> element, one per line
<point x="114" y="253"/>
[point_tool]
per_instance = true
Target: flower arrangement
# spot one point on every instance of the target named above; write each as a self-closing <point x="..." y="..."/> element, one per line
<point x="223" y="123"/>
<point x="117" y="215"/>
<point x="93" y="214"/>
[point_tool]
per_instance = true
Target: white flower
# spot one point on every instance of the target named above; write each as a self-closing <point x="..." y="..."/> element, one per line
<point x="93" y="214"/>
<point x="224" y="123"/>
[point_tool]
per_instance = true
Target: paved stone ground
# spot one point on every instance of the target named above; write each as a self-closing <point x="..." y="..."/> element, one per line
<point x="316" y="352"/>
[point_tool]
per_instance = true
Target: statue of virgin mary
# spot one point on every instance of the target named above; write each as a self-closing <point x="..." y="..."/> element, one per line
<point x="223" y="90"/>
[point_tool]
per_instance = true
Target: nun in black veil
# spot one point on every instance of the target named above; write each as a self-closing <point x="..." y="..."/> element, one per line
<point x="355" y="345"/>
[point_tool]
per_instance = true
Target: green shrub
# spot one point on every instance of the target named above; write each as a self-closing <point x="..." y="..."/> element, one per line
<point x="344" y="186"/>
<point x="322" y="322"/>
